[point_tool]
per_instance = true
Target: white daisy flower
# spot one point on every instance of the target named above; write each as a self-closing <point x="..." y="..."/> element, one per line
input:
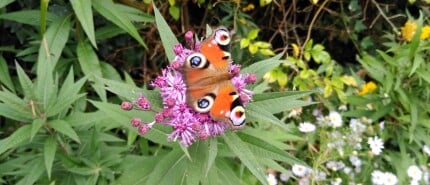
<point x="306" y="127"/>
<point x="376" y="145"/>
<point x="415" y="173"/>
<point x="390" y="179"/>
<point x="300" y="170"/>
<point x="271" y="179"/>
<point x="426" y="149"/>
<point x="378" y="177"/>
<point x="284" y="177"/>
<point x="334" y="119"/>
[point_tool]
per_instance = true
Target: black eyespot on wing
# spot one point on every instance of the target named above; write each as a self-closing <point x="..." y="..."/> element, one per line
<point x="197" y="60"/>
<point x="232" y="93"/>
<point x="205" y="103"/>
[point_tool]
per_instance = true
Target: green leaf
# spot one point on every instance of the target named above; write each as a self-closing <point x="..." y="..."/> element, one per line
<point x="67" y="96"/>
<point x="134" y="14"/>
<point x="262" y="67"/>
<point x="256" y="113"/>
<point x="5" y="3"/>
<point x="84" y="13"/>
<point x="50" y="50"/>
<point x="64" y="128"/>
<point x="4" y="75"/>
<point x="111" y="12"/>
<point x="131" y="92"/>
<point x="15" y="108"/>
<point x="79" y="119"/>
<point x="274" y="95"/>
<point x="281" y="104"/>
<point x="49" y="154"/>
<point x="31" y="17"/>
<point x="25" y="82"/>
<point x="43" y="15"/>
<point x="418" y="60"/>
<point x="122" y="118"/>
<point x="245" y="155"/>
<point x="244" y="42"/>
<point x="91" y="67"/>
<point x="280" y="101"/>
<point x="168" y="164"/>
<point x="136" y="175"/>
<point x="174" y="11"/>
<point x="21" y="135"/>
<point x="34" y="171"/>
<point x="167" y="37"/>
<point x="225" y="174"/>
<point x="196" y="166"/>
<point x="263" y="149"/>
<point x="213" y="150"/>
<point x="252" y="34"/>
<point x="35" y="126"/>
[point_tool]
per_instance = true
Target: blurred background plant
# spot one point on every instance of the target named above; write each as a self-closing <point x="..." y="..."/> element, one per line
<point x="362" y="65"/>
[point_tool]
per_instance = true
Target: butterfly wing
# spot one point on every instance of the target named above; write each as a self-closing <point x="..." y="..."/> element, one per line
<point x="209" y="87"/>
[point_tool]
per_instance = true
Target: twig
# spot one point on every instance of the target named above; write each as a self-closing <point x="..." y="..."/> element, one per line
<point x="384" y="16"/>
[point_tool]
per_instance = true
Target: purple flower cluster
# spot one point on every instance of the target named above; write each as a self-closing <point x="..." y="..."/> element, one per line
<point x="188" y="125"/>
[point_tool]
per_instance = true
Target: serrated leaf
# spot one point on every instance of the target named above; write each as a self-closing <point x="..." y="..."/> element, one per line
<point x="18" y="137"/>
<point x="4" y="75"/>
<point x="50" y="147"/>
<point x="260" y="68"/>
<point x="64" y="128"/>
<point x="241" y="150"/>
<point x="35" y="126"/>
<point x="84" y="13"/>
<point x="167" y="37"/>
<point x="110" y="11"/>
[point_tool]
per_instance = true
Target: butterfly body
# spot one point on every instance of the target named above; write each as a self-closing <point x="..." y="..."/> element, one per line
<point x="209" y="86"/>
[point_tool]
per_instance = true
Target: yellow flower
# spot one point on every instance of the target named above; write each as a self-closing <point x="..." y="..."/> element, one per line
<point x="367" y="88"/>
<point x="249" y="7"/>
<point x="425" y="32"/>
<point x="296" y="50"/>
<point x="408" y="30"/>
